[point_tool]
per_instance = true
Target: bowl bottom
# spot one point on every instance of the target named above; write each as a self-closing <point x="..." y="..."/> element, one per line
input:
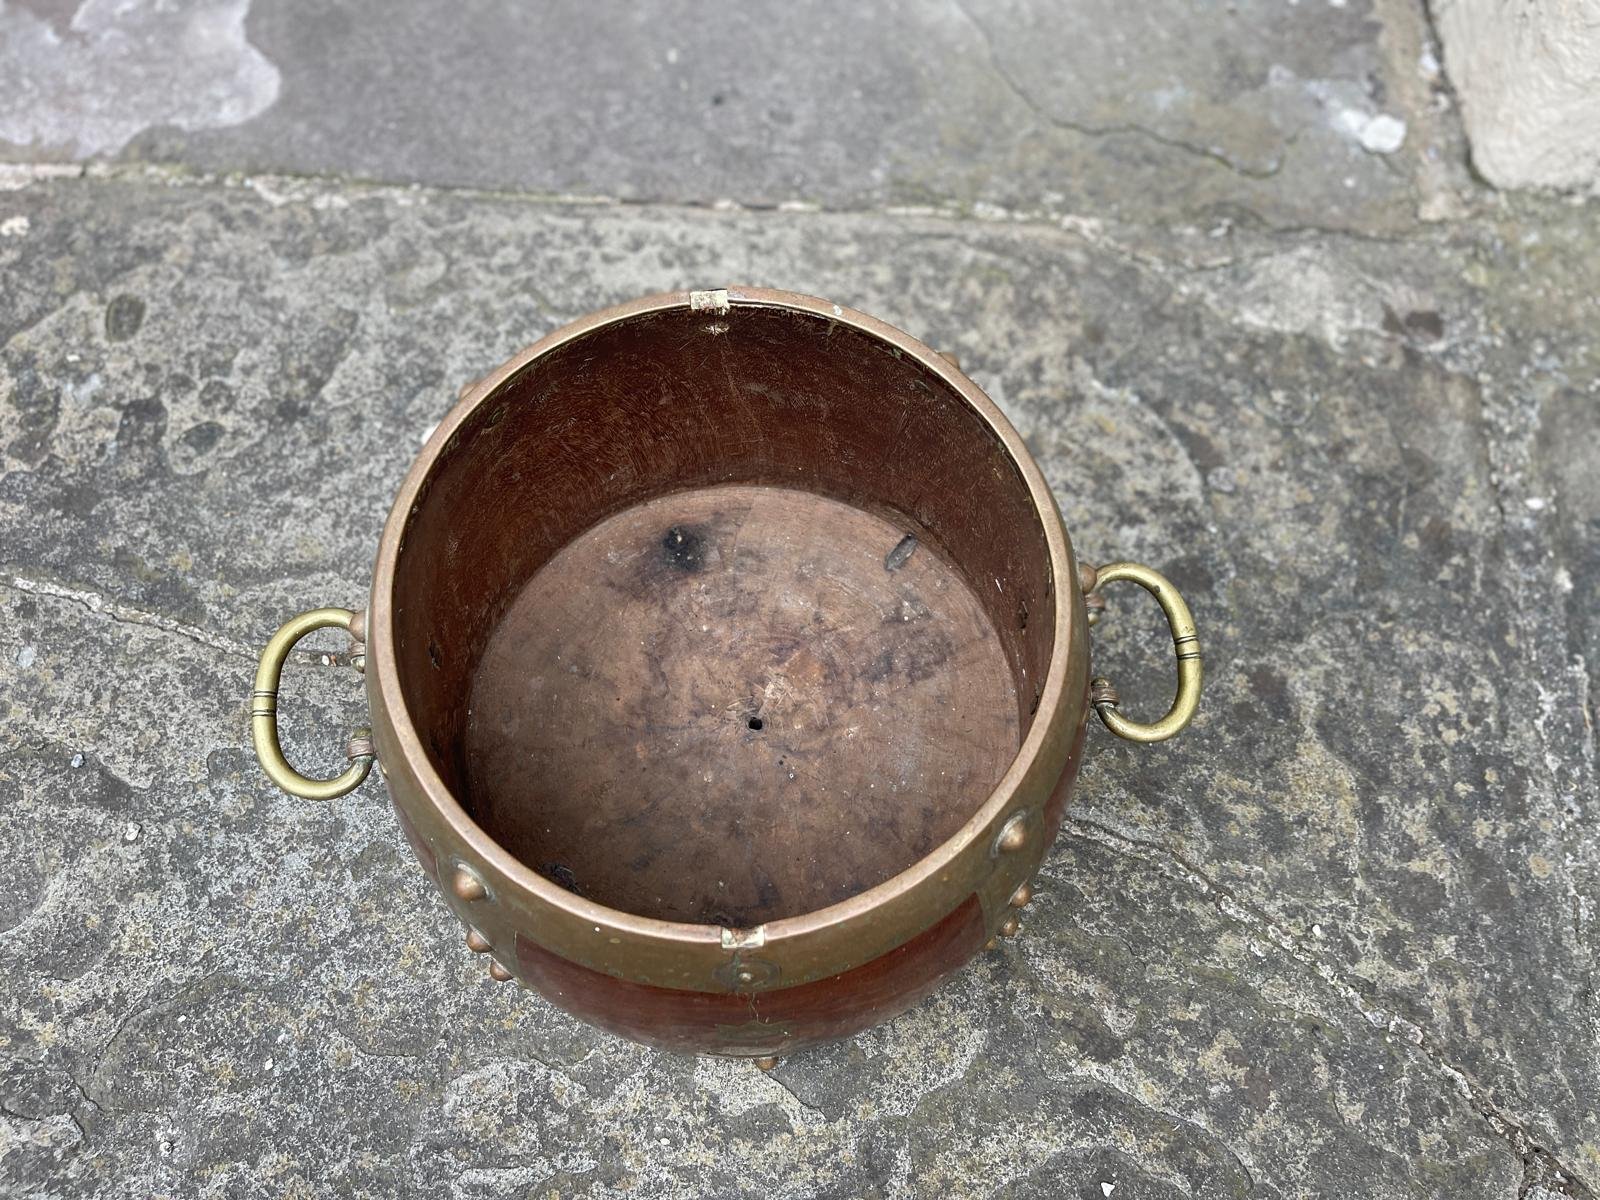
<point x="737" y="704"/>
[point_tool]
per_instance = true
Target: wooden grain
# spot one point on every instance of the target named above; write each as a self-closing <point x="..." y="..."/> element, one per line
<point x="735" y="704"/>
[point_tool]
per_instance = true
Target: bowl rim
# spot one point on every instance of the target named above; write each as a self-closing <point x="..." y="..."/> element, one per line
<point x="1057" y="719"/>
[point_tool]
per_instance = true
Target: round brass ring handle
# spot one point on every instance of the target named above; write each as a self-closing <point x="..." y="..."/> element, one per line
<point x="1185" y="643"/>
<point x="264" y="713"/>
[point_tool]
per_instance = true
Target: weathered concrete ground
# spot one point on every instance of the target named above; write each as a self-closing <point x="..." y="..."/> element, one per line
<point x="1339" y="939"/>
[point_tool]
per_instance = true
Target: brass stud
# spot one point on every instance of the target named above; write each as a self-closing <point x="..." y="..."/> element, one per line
<point x="767" y="1061"/>
<point x="497" y="972"/>
<point x="1014" y="834"/>
<point x="1011" y="926"/>
<point x="467" y="884"/>
<point x="477" y="943"/>
<point x="1088" y="577"/>
<point x="1021" y="896"/>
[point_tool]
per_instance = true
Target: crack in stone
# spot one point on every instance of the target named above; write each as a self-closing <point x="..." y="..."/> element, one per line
<point x="83" y="1134"/>
<point x="87" y="1099"/>
<point x="105" y="606"/>
<point x="147" y="1003"/>
<point x="952" y="210"/>
<point x="124" y="614"/>
<point x="1128" y="129"/>
<point x="144" y="1004"/>
<point x="1310" y="229"/>
<point x="1540" y="1165"/>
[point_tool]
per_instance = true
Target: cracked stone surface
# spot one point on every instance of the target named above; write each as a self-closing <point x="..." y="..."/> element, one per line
<point x="1339" y="939"/>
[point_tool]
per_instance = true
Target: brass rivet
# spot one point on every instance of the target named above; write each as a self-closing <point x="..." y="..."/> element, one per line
<point x="1088" y="577"/>
<point x="1011" y="926"/>
<point x="477" y="943"/>
<point x="1014" y="836"/>
<point x="767" y="1062"/>
<point x="1021" y="896"/>
<point x="497" y="972"/>
<point x="467" y="885"/>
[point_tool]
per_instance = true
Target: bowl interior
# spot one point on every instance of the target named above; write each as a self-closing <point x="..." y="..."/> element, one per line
<point x="723" y="617"/>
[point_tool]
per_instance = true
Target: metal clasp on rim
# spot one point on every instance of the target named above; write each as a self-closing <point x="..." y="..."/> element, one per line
<point x="264" y="711"/>
<point x="1185" y="644"/>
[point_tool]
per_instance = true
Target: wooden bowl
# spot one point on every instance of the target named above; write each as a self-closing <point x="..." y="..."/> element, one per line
<point x="729" y="668"/>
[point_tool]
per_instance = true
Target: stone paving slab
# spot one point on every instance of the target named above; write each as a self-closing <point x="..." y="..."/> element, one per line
<point x="1319" y="113"/>
<point x="1339" y="939"/>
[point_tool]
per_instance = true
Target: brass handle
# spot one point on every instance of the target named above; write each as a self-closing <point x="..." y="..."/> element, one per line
<point x="1185" y="643"/>
<point x="264" y="713"/>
